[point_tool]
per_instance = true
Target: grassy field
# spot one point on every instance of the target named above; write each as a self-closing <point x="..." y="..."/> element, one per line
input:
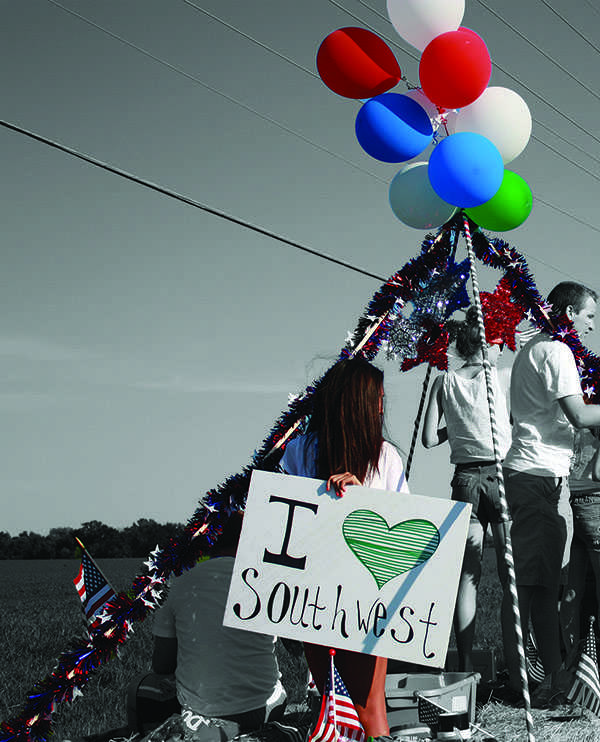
<point x="41" y="612"/>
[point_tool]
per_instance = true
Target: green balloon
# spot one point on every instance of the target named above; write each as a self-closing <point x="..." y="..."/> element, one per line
<point x="508" y="208"/>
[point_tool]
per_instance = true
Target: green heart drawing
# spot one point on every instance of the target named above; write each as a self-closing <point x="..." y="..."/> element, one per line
<point x="388" y="552"/>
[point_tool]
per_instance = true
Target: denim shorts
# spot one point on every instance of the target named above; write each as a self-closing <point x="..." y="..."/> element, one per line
<point x="539" y="530"/>
<point x="586" y="521"/>
<point x="478" y="484"/>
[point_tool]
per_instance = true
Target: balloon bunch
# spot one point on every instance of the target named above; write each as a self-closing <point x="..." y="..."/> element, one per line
<point x="485" y="127"/>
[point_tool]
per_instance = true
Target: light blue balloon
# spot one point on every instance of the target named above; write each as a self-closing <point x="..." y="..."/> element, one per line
<point x="466" y="169"/>
<point x="414" y="201"/>
<point x="393" y="128"/>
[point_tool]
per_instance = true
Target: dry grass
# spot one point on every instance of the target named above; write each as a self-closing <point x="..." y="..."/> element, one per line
<point x="40" y="613"/>
<point x="564" y="724"/>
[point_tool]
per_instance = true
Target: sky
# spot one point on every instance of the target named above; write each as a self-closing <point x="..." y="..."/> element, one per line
<point x="147" y="346"/>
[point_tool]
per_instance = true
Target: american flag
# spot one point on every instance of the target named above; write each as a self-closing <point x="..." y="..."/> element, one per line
<point x="338" y="719"/>
<point x="586" y="686"/>
<point x="535" y="668"/>
<point x="92" y="587"/>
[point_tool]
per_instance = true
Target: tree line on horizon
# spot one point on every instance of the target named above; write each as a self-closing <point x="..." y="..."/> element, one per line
<point x="101" y="540"/>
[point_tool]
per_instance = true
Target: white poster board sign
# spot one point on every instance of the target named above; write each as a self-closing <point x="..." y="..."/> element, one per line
<point x="374" y="571"/>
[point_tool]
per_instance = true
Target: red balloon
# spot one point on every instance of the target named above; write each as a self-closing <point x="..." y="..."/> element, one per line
<point x="356" y="63"/>
<point x="464" y="29"/>
<point x="455" y="68"/>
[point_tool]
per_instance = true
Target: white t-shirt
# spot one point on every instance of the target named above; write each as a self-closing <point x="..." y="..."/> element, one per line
<point x="465" y="406"/>
<point x="542" y="441"/>
<point x="390" y="475"/>
<point x="220" y="671"/>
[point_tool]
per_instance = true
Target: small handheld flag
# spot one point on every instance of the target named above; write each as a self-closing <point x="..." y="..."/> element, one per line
<point x="338" y="719"/>
<point x="535" y="668"/>
<point x="586" y="686"/>
<point x="92" y="586"/>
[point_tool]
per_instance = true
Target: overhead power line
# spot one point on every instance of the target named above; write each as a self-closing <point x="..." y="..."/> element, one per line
<point x="258" y="113"/>
<point x="498" y="66"/>
<point x="570" y="25"/>
<point x="553" y="61"/>
<point x="565" y="140"/>
<point x="576" y="124"/>
<point x="564" y="157"/>
<point x="224" y="215"/>
<point x="382" y="16"/>
<point x="566" y="213"/>
<point x="269" y="119"/>
<point x="247" y="36"/>
<point x="371" y="28"/>
<point x="591" y="5"/>
<point x="207" y="86"/>
<point x="183" y="199"/>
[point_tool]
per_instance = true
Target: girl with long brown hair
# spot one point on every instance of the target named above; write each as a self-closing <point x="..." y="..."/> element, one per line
<point x="344" y="445"/>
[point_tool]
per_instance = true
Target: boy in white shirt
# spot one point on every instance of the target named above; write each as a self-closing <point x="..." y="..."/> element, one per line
<point x="546" y="404"/>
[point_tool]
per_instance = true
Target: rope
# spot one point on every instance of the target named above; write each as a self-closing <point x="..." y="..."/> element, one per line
<point x="508" y="553"/>
<point x="413" y="443"/>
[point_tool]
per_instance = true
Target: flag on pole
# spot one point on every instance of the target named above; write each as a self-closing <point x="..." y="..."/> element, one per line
<point x="338" y="719"/>
<point x="535" y="668"/>
<point x="586" y="686"/>
<point x="92" y="586"/>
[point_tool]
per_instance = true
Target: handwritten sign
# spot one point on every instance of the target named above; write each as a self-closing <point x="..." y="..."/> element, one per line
<point x="374" y="572"/>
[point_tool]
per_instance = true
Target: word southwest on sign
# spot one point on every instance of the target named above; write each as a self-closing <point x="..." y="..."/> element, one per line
<point x="312" y="608"/>
<point x="374" y="572"/>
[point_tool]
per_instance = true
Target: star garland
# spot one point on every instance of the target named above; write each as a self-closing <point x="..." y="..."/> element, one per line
<point x="498" y="254"/>
<point x="502" y="315"/>
<point x="115" y="624"/>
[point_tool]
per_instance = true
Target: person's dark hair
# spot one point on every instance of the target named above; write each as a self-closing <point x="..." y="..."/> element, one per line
<point x="569" y="293"/>
<point x="346" y="419"/>
<point x="468" y="340"/>
<point x="230" y="536"/>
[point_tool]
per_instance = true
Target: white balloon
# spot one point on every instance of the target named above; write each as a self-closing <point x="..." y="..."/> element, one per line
<point x="450" y="121"/>
<point x="502" y="116"/>
<point x="420" y="21"/>
<point x="414" y="201"/>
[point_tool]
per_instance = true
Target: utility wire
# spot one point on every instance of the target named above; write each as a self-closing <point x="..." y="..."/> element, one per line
<point x="229" y="217"/>
<point x="498" y="66"/>
<point x="251" y="38"/>
<point x="230" y="98"/>
<point x="548" y="103"/>
<point x="590" y="4"/>
<point x="537" y="139"/>
<point x="566" y="213"/>
<point x="514" y="29"/>
<point x="291" y="131"/>
<point x="385" y="18"/>
<point x="371" y="28"/>
<point x="568" y="159"/>
<point x="577" y="31"/>
<point x="184" y="199"/>
<point x="289" y="60"/>
<point x="382" y="16"/>
<point x="565" y="140"/>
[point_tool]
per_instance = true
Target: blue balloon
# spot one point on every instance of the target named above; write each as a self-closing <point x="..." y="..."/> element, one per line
<point x="466" y="169"/>
<point x="393" y="128"/>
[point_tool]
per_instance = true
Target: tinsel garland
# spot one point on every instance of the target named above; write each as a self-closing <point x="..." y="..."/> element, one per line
<point x="113" y="626"/>
<point x="498" y="254"/>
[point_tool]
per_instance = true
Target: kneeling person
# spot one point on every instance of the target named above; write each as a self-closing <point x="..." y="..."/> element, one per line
<point x="220" y="672"/>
